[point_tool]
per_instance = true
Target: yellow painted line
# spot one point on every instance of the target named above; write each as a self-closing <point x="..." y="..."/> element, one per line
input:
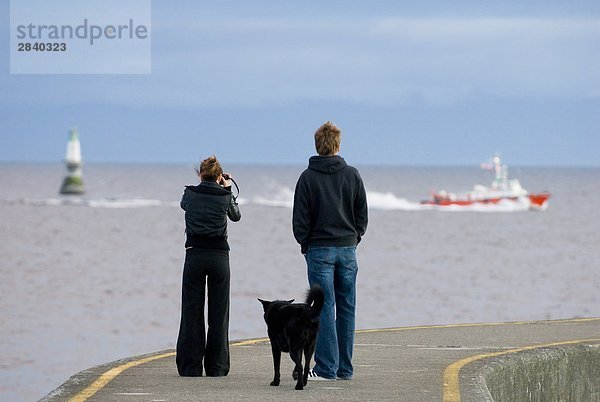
<point x="112" y="373"/>
<point x="483" y="324"/>
<point x="250" y="342"/>
<point x="115" y="371"/>
<point x="451" y="380"/>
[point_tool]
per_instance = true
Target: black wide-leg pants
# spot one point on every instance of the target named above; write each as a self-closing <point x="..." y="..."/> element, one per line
<point x="204" y="267"/>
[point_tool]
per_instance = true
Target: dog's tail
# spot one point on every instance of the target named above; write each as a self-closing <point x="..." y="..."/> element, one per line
<point x="315" y="298"/>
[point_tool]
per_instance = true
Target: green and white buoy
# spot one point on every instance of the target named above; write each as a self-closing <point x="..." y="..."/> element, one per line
<point x="73" y="183"/>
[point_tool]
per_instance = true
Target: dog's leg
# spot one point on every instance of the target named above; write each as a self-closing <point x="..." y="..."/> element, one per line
<point x="276" y="364"/>
<point x="308" y="353"/>
<point x="296" y="356"/>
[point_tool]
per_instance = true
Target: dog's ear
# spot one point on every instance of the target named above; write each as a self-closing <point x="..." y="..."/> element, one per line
<point x="265" y="304"/>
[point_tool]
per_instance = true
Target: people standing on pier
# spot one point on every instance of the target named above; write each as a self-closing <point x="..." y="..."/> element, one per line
<point x="207" y="207"/>
<point x="329" y="219"/>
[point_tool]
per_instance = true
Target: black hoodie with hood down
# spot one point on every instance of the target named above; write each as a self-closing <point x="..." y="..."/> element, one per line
<point x="330" y="204"/>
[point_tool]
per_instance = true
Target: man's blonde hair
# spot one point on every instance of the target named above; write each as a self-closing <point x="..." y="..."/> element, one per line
<point x="328" y="138"/>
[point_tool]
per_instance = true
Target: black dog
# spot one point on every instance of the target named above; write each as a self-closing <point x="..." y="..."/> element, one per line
<point x="293" y="327"/>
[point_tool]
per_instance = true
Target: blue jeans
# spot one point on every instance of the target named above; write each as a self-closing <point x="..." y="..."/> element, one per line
<point x="335" y="270"/>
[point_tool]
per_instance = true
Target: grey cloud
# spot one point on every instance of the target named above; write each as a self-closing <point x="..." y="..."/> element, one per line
<point x="255" y="62"/>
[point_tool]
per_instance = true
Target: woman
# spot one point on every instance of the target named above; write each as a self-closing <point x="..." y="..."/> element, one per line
<point x="206" y="207"/>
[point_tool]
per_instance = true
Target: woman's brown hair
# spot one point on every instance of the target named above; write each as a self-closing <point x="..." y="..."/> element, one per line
<point x="210" y="169"/>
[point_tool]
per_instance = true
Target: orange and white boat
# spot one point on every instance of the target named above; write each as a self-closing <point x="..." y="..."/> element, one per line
<point x="501" y="190"/>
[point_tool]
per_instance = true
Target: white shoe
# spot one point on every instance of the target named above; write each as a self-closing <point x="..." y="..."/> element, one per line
<point x="312" y="376"/>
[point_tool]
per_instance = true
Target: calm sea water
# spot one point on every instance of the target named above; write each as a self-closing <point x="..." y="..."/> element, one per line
<point x="87" y="280"/>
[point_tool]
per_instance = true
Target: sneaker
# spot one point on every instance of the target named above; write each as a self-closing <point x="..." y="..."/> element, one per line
<point x="343" y="378"/>
<point x="312" y="376"/>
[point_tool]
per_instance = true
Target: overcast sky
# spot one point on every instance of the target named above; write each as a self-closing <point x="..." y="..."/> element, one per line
<point x="407" y="82"/>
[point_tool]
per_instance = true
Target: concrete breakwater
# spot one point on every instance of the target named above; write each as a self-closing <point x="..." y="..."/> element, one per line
<point x="529" y="361"/>
<point x="569" y="372"/>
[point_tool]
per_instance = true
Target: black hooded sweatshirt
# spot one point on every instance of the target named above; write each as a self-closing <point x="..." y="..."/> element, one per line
<point x="330" y="204"/>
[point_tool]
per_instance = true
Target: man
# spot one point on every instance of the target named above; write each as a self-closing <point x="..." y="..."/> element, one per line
<point x="329" y="219"/>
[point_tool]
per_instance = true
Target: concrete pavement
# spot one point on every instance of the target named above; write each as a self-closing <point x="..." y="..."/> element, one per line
<point x="427" y="363"/>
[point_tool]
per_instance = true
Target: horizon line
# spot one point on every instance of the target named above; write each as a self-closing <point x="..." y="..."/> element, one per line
<point x="263" y="163"/>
